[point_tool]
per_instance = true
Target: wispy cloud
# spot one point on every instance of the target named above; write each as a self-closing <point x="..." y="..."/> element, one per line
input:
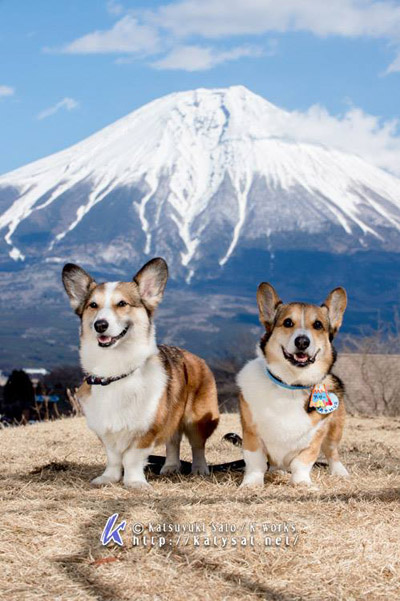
<point x="114" y="8"/>
<point x="394" y="66"/>
<point x="164" y="31"/>
<point x="6" y="91"/>
<point x="200" y="58"/>
<point x="355" y="132"/>
<point x="216" y="18"/>
<point x="127" y="36"/>
<point x="67" y="104"/>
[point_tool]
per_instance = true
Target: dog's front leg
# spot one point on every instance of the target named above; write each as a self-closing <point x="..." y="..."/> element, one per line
<point x="134" y="461"/>
<point x="253" y="449"/>
<point x="256" y="466"/>
<point x="113" y="470"/>
<point x="301" y="465"/>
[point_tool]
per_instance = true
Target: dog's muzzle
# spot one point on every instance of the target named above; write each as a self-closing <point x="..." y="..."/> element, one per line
<point x="299" y="359"/>
<point x="107" y="341"/>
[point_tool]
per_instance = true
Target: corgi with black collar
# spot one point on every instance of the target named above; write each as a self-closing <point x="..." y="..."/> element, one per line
<point x="283" y="422"/>
<point x="137" y="394"/>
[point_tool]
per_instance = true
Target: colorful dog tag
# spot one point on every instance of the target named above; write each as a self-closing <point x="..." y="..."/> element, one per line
<point x="322" y="401"/>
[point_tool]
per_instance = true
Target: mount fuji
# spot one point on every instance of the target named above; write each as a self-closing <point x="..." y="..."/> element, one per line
<point x="215" y="182"/>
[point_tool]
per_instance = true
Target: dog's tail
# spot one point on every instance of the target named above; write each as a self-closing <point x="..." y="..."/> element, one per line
<point x="235" y="439"/>
<point x="155" y="462"/>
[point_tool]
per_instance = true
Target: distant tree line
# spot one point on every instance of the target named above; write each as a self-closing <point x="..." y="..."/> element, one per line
<point x="23" y="400"/>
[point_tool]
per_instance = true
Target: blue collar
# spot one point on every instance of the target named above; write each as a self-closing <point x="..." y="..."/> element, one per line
<point x="279" y="382"/>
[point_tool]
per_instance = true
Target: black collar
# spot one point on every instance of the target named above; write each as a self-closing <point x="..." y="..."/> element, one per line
<point x="95" y="381"/>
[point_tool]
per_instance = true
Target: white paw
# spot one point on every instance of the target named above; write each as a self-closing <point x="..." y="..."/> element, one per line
<point x="170" y="468"/>
<point x="301" y="480"/>
<point x="274" y="469"/>
<point x="338" y="469"/>
<point x="105" y="479"/>
<point x="137" y="484"/>
<point x="253" y="480"/>
<point x="200" y="469"/>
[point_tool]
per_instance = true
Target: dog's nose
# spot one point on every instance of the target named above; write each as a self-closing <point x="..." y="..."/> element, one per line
<point x="302" y="342"/>
<point x="100" y="325"/>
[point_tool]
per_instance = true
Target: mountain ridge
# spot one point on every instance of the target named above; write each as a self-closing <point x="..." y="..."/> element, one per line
<point x="212" y="181"/>
<point x="176" y="154"/>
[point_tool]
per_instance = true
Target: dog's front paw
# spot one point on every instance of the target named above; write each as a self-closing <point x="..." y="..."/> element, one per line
<point x="253" y="481"/>
<point x="170" y="468"/>
<point x="105" y="479"/>
<point x="300" y="480"/>
<point x="338" y="469"/>
<point x="137" y="484"/>
<point x="274" y="469"/>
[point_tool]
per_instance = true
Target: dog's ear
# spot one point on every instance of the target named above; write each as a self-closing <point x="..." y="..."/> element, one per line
<point x="151" y="280"/>
<point x="78" y="285"/>
<point x="268" y="302"/>
<point x="336" y="303"/>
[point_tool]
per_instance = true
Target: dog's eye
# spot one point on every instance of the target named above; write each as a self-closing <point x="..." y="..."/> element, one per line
<point x="317" y="325"/>
<point x="93" y="305"/>
<point x="288" y="323"/>
<point x="122" y="304"/>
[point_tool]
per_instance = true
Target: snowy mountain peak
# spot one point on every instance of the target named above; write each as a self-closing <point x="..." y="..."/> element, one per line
<point x="194" y="176"/>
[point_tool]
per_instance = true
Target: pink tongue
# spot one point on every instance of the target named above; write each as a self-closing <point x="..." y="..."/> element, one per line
<point x="105" y="339"/>
<point x="302" y="357"/>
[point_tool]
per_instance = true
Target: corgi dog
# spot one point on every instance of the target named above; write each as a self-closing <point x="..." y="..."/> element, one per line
<point x="280" y="424"/>
<point x="137" y="394"/>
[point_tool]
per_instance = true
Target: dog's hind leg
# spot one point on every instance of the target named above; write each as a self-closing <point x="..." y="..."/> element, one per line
<point x="201" y="416"/>
<point x="172" y="462"/>
<point x="197" y="432"/>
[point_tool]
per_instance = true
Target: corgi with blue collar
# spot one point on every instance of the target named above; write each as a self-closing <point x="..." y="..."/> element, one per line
<point x="291" y="405"/>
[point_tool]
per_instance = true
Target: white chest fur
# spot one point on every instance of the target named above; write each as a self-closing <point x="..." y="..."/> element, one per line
<point x="282" y="423"/>
<point x="126" y="408"/>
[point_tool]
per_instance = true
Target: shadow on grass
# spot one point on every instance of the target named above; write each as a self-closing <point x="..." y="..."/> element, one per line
<point x="66" y="473"/>
<point x="83" y="573"/>
<point x="55" y="469"/>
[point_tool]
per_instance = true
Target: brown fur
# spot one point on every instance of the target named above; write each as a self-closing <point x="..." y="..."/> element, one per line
<point x="329" y="436"/>
<point x="251" y="439"/>
<point x="273" y="314"/>
<point x="189" y="403"/>
<point x="326" y="438"/>
<point x="279" y="334"/>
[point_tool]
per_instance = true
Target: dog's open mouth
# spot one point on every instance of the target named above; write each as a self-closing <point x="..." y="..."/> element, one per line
<point x="106" y="341"/>
<point x="299" y="359"/>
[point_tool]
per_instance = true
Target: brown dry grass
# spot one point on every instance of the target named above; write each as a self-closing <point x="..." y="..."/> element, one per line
<point x="348" y="532"/>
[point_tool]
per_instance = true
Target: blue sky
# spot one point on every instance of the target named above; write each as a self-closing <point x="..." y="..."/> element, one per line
<point x="71" y="67"/>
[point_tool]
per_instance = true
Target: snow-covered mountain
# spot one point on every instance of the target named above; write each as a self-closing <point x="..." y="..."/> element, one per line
<point x="198" y="177"/>
<point x="214" y="181"/>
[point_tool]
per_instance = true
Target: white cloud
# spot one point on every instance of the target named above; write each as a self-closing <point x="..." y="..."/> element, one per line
<point x="126" y="36"/>
<point x="173" y="26"/>
<point x="114" y="8"/>
<point x="355" y="132"/>
<point x="216" y="18"/>
<point x="200" y="58"/>
<point x="68" y="104"/>
<point x="6" y="91"/>
<point x="394" y="67"/>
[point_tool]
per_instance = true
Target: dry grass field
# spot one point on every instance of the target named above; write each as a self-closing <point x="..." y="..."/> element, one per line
<point x="346" y="543"/>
